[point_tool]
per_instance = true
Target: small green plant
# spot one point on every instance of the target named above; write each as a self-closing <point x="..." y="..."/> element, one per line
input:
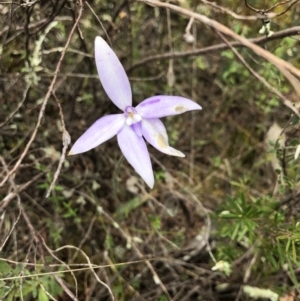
<point x="21" y="282"/>
<point x="257" y="223"/>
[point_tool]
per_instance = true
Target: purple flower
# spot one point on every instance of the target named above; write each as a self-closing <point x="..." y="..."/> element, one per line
<point x="134" y="123"/>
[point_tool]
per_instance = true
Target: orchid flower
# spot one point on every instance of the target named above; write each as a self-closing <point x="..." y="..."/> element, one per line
<point x="135" y="123"/>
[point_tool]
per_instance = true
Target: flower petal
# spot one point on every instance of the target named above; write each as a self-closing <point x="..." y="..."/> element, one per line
<point x="137" y="128"/>
<point x="102" y="130"/>
<point x="112" y="75"/>
<point x="135" y="151"/>
<point x="155" y="133"/>
<point x="164" y="105"/>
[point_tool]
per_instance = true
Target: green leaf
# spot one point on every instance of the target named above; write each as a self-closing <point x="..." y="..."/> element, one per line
<point x="5" y="268"/>
<point x="130" y="206"/>
<point x="292" y="272"/>
<point x="42" y="296"/>
<point x="242" y="233"/>
<point x="235" y="231"/>
<point x="155" y="221"/>
<point x="201" y="63"/>
<point x="227" y="53"/>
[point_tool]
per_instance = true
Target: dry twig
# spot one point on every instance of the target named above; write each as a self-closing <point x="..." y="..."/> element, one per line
<point x="219" y="47"/>
<point x="288" y="70"/>
<point x="51" y="90"/>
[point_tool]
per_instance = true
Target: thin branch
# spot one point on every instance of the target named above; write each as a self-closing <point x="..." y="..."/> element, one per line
<point x="14" y="186"/>
<point x="285" y="101"/>
<point x="235" y="15"/>
<point x="103" y="28"/>
<point x="265" y="11"/>
<point x="18" y="106"/>
<point x="251" y="7"/>
<point x="66" y="140"/>
<point x="130" y="240"/>
<point x="89" y="264"/>
<point x="10" y="196"/>
<point x="276" y="5"/>
<point x="288" y="70"/>
<point x="45" y="101"/>
<point x="287" y="8"/>
<point x="37" y="239"/>
<point x="214" y="48"/>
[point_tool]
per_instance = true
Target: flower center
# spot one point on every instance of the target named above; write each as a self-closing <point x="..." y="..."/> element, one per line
<point x="131" y="115"/>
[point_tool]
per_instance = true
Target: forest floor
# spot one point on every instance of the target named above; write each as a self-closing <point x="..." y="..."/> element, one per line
<point x="220" y="223"/>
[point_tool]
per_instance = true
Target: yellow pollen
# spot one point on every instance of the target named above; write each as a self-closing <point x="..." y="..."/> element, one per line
<point x="180" y="109"/>
<point x="161" y="141"/>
